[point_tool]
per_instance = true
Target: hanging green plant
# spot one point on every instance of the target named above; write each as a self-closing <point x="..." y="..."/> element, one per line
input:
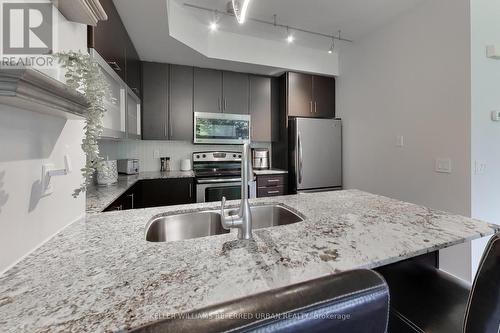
<point x="84" y="75"/>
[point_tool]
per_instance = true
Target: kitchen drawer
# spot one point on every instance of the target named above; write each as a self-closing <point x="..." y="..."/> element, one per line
<point x="271" y="180"/>
<point x="271" y="191"/>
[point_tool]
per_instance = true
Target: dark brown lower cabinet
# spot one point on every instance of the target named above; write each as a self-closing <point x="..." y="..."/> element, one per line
<point x="167" y="192"/>
<point x="271" y="185"/>
<point x="128" y="200"/>
<point x="156" y="193"/>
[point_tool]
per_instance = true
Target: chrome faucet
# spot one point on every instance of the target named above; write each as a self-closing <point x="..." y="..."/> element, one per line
<point x="242" y="221"/>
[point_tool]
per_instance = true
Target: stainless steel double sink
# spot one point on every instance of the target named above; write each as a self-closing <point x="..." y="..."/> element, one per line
<point x="207" y="223"/>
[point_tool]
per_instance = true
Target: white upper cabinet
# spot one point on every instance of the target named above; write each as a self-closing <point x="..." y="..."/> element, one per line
<point x="122" y="117"/>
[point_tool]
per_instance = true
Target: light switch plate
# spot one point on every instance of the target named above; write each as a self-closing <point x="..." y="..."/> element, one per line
<point x="479" y="167"/>
<point x="443" y="165"/>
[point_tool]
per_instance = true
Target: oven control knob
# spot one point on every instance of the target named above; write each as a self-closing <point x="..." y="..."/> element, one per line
<point x="234" y="155"/>
<point x="197" y="156"/>
<point x="239" y="156"/>
<point x="204" y="156"/>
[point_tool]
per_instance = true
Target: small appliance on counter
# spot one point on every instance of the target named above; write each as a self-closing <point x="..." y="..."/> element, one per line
<point x="107" y="174"/>
<point x="128" y="166"/>
<point x="260" y="158"/>
<point x="186" y="165"/>
<point x="164" y="164"/>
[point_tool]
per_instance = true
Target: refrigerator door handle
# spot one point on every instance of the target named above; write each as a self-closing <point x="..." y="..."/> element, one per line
<point x="299" y="148"/>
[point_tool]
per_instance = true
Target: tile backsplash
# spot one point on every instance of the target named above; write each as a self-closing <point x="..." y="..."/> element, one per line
<point x="145" y="151"/>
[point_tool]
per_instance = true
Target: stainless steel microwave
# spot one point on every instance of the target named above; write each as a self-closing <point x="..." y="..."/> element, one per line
<point x="221" y="128"/>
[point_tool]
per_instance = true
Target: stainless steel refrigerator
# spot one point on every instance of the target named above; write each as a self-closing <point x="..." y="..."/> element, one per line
<point x="315" y="154"/>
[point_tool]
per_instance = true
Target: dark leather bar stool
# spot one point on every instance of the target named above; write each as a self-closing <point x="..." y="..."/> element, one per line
<point x="354" y="301"/>
<point x="425" y="299"/>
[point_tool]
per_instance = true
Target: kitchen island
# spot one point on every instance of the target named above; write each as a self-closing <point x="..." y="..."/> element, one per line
<point x="101" y="275"/>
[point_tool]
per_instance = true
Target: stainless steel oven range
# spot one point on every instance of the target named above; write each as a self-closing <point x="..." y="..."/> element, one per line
<point x="218" y="174"/>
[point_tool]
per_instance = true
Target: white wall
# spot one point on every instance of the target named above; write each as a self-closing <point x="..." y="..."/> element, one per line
<point x="28" y="140"/>
<point x="485" y="27"/>
<point x="411" y="78"/>
<point x="145" y="151"/>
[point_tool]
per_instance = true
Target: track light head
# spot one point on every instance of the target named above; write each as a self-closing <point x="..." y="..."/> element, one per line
<point x="214" y="24"/>
<point x="289" y="36"/>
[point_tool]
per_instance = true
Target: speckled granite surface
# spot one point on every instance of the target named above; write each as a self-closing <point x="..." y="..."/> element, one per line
<point x="100" y="197"/>
<point x="101" y="275"/>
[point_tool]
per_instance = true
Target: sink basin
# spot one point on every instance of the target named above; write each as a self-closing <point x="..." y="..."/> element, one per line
<point x="184" y="226"/>
<point x="271" y="216"/>
<point x="208" y="223"/>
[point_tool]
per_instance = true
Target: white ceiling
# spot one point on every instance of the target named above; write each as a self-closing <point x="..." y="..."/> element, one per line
<point x="146" y="23"/>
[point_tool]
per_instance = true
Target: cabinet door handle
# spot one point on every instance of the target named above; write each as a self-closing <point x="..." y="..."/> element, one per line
<point x="190" y="190"/>
<point x="273" y="192"/>
<point x="170" y="130"/>
<point x="225" y="104"/>
<point x="310" y="107"/>
<point x="131" y="196"/>
<point x="114" y="65"/>
<point x="273" y="180"/>
<point x="315" y="104"/>
<point x="219" y="107"/>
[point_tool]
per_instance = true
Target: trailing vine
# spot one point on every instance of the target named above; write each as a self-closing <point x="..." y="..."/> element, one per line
<point x="84" y="75"/>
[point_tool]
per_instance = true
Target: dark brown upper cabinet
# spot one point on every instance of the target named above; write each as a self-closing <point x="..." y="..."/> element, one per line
<point x="323" y="89"/>
<point x="235" y="93"/>
<point x="111" y="40"/>
<point x="181" y="103"/>
<point x="310" y="96"/>
<point x="263" y="108"/>
<point x="207" y="90"/>
<point x="218" y="91"/>
<point x="155" y="101"/>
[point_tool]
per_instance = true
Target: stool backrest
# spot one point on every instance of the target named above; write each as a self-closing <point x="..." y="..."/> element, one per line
<point x="353" y="301"/>
<point x="483" y="308"/>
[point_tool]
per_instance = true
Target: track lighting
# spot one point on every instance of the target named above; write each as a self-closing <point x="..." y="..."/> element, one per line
<point x="214" y="24"/>
<point x="332" y="47"/>
<point x="240" y="11"/>
<point x="289" y="36"/>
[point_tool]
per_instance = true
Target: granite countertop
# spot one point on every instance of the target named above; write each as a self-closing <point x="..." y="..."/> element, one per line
<point x="269" y="172"/>
<point x="100" y="275"/>
<point x="100" y="197"/>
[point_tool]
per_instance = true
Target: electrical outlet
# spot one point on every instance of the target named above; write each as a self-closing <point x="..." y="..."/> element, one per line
<point x="479" y="167"/>
<point x="400" y="141"/>
<point x="443" y="165"/>
<point x="156" y="154"/>
<point x="495" y="115"/>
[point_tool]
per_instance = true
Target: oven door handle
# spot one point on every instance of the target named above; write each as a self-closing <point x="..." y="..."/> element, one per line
<point x="216" y="181"/>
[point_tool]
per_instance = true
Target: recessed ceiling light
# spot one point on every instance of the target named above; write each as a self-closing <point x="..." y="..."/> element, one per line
<point x="213" y="26"/>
